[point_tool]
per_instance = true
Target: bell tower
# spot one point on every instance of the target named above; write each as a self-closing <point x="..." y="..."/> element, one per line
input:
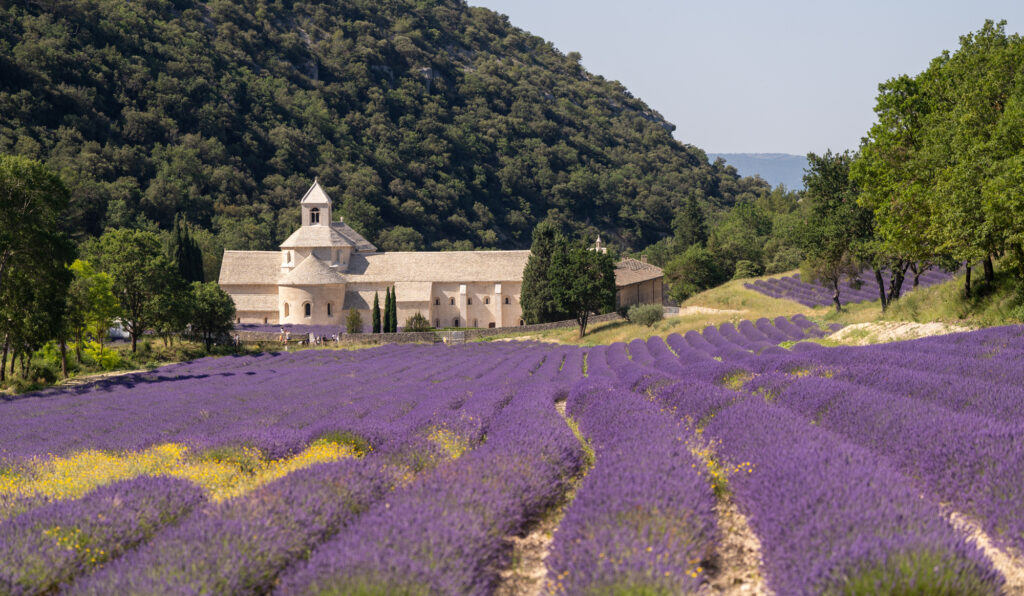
<point x="316" y="206"/>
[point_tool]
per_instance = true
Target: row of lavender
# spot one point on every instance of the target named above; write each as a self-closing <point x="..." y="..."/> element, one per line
<point x="243" y="545"/>
<point x="863" y="289"/>
<point x="845" y="460"/>
<point x="828" y="461"/>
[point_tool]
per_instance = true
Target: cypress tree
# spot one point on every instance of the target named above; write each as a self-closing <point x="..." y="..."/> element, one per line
<point x="394" y="311"/>
<point x="538" y="304"/>
<point x="376" y="313"/>
<point x="387" y="310"/>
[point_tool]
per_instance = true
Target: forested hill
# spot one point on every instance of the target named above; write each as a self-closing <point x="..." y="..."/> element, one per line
<point x="431" y="123"/>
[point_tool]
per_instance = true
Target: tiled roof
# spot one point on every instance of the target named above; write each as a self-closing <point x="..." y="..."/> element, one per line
<point x="448" y="267"/>
<point x="255" y="302"/>
<point x="312" y="272"/>
<point x="250" y="267"/>
<point x="631" y="271"/>
<point x="338" y="234"/>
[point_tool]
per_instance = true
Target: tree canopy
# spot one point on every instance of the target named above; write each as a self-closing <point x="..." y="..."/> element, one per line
<point x="433" y="124"/>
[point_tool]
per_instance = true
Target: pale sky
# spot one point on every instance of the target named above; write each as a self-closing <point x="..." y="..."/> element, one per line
<point x="758" y="76"/>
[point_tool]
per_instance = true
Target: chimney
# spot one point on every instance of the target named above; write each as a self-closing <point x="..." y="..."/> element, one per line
<point x="643" y="259"/>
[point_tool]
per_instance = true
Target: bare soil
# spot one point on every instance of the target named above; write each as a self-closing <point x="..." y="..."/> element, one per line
<point x="862" y="334"/>
<point x="738" y="561"/>
<point x="1007" y="562"/>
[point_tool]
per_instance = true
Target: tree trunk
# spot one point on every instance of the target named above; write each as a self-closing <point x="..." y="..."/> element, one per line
<point x="896" y="284"/>
<point x="3" y="361"/>
<point x="134" y="338"/>
<point x="78" y="346"/>
<point x="967" y="281"/>
<point x="64" y="358"/>
<point x="990" y="273"/>
<point x="835" y="295"/>
<point x="881" y="288"/>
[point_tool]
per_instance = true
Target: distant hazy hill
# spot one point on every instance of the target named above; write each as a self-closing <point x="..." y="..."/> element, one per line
<point x="775" y="168"/>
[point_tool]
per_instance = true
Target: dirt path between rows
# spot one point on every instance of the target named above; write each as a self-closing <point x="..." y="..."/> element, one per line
<point x="1008" y="563"/>
<point x="527" y="574"/>
<point x="739" y="556"/>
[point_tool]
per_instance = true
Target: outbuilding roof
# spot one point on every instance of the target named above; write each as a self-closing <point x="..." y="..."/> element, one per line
<point x="631" y="271"/>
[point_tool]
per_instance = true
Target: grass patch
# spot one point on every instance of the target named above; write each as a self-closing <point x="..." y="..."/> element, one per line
<point x="912" y="573"/>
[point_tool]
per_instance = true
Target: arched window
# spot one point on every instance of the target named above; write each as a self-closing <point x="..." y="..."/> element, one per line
<point x="452" y="301"/>
<point x="329" y="309"/>
<point x="437" y="302"/>
<point x="455" y="322"/>
<point x="508" y="300"/>
<point x="286" y="309"/>
<point x="314" y="215"/>
<point x="308" y="310"/>
<point x="521" y="322"/>
<point x="487" y="299"/>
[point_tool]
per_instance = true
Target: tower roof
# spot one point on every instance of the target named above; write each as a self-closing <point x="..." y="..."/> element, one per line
<point x="338" y="234"/>
<point x="316" y="195"/>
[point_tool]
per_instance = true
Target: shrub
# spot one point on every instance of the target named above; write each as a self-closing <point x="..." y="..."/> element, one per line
<point x="354" y="322"/>
<point x="745" y="269"/>
<point x="417" y="322"/>
<point x="645" y="314"/>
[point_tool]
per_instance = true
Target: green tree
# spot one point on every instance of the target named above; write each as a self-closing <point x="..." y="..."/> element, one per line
<point x="353" y="322"/>
<point x="376" y="313"/>
<point x="185" y="253"/>
<point x="393" y="317"/>
<point x="836" y="223"/>
<point x="538" y="301"/>
<point x="141" y="274"/>
<point x="386" y="320"/>
<point x="417" y="323"/>
<point x="689" y="225"/>
<point x="35" y="252"/>
<point x="695" y="270"/>
<point x="582" y="282"/>
<point x="213" y="311"/>
<point x="92" y="306"/>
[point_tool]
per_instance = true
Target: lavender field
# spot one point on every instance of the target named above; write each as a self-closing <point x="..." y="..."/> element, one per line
<point x="863" y="289"/>
<point x="410" y="469"/>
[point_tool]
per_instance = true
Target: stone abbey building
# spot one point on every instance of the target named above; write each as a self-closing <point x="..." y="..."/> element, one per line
<point x="326" y="268"/>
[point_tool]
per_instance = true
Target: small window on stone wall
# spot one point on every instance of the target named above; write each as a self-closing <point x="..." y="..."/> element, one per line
<point x="469" y="301"/>
<point x="437" y="302"/>
<point x="490" y="325"/>
<point x="437" y="322"/>
<point x="455" y="322"/>
<point x="474" y="323"/>
<point x="508" y="300"/>
<point x="264" y="320"/>
<point x="487" y="299"/>
<point x="308" y="310"/>
<point x="521" y="322"/>
<point x="452" y="301"/>
<point x="314" y="215"/>
<point x="329" y="309"/>
<point x="286" y="309"/>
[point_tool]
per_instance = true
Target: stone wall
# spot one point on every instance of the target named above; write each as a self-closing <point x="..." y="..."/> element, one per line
<point x="422" y="337"/>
